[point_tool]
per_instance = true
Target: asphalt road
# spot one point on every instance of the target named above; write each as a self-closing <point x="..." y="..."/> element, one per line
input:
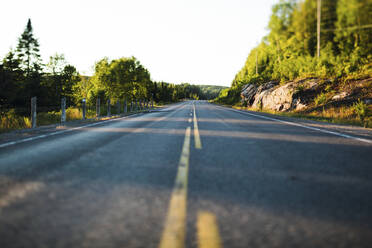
<point x="189" y="175"/>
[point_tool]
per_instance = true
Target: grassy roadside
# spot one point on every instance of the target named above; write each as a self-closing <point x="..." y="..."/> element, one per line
<point x="340" y="115"/>
<point x="10" y="121"/>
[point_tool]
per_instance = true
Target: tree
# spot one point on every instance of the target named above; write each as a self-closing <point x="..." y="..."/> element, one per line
<point x="56" y="64"/>
<point x="124" y="77"/>
<point x="69" y="78"/>
<point x="352" y="15"/>
<point x="28" y="51"/>
<point x="304" y="27"/>
<point x="11" y="77"/>
<point x="55" y="67"/>
<point x="328" y="21"/>
<point x="289" y="50"/>
<point x="82" y="89"/>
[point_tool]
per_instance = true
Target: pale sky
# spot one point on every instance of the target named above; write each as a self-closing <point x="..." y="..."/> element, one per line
<point x="194" y="41"/>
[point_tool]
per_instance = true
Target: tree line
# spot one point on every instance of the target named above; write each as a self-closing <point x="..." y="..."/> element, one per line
<point x="289" y="51"/>
<point x="24" y="75"/>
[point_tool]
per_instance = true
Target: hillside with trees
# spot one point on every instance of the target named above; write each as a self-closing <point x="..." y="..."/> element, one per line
<point x="23" y="75"/>
<point x="290" y="50"/>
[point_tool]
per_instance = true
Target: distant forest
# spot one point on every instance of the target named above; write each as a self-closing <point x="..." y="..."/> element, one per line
<point x="289" y="51"/>
<point x="24" y="75"/>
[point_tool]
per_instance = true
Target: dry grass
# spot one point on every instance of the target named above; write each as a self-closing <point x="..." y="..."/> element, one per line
<point x="10" y="121"/>
<point x="337" y="115"/>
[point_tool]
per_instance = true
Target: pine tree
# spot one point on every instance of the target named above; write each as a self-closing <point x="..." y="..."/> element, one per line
<point x="328" y="21"/>
<point x="28" y="51"/>
<point x="304" y="26"/>
<point x="11" y="78"/>
<point x="10" y="61"/>
<point x="352" y="15"/>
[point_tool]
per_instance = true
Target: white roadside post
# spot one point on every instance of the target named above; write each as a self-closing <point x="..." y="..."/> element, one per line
<point x="63" y="110"/>
<point x="84" y="109"/>
<point x="98" y="107"/>
<point x="152" y="101"/>
<point x="125" y="106"/>
<point x="108" y="107"/>
<point x="33" y="111"/>
<point x="118" y="107"/>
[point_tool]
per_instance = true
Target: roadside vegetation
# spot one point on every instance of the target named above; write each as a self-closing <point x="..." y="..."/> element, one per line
<point x="289" y="52"/>
<point x="341" y="115"/>
<point x="24" y="75"/>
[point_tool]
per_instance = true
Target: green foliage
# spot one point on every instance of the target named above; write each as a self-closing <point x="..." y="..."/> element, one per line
<point x="361" y="110"/>
<point x="21" y="71"/>
<point x="11" y="80"/>
<point x="83" y="89"/>
<point x="300" y="88"/>
<point x="328" y="88"/>
<point x="23" y="75"/>
<point x="320" y="99"/>
<point x="59" y="81"/>
<point x="352" y="14"/>
<point x="209" y="92"/>
<point x="289" y="50"/>
<point x="122" y="78"/>
<point x="46" y="118"/>
<point x="28" y="50"/>
<point x="228" y="96"/>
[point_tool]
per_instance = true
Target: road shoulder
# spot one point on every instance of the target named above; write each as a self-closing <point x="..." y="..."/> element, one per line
<point x="355" y="131"/>
<point x="16" y="135"/>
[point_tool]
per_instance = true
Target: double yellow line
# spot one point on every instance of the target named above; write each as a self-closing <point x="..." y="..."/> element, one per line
<point x="174" y="233"/>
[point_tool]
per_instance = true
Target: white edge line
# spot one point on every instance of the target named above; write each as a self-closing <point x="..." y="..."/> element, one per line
<point x="304" y="126"/>
<point x="62" y="131"/>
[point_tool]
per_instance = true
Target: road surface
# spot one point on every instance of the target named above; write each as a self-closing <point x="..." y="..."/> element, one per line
<point x="189" y="175"/>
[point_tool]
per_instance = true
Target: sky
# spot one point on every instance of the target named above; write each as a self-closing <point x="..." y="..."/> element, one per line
<point x="194" y="41"/>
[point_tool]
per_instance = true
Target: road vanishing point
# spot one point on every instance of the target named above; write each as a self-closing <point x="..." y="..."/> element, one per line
<point x="191" y="174"/>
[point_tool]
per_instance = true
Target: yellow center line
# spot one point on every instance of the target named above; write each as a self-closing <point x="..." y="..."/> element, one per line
<point x="198" y="144"/>
<point x="174" y="231"/>
<point x="208" y="235"/>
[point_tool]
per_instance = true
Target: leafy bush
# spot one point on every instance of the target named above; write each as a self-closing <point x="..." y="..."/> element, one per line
<point x="46" y="118"/>
<point x="320" y="99"/>
<point x="229" y="96"/>
<point x="361" y="110"/>
<point x="328" y="88"/>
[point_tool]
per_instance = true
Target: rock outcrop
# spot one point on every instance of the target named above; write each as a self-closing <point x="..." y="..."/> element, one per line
<point x="272" y="96"/>
<point x="248" y="92"/>
<point x="340" y="96"/>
